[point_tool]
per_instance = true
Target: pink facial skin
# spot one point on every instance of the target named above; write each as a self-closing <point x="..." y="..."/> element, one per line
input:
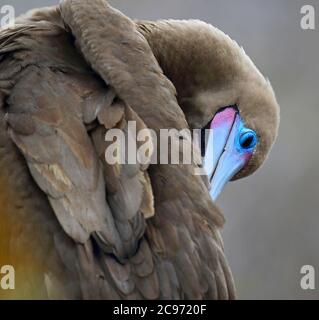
<point x="224" y="118"/>
<point x="225" y="153"/>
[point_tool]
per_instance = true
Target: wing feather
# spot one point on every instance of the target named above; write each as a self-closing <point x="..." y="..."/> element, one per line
<point x="135" y="231"/>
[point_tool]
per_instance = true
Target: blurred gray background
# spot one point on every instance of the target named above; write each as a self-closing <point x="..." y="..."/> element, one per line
<point x="272" y="217"/>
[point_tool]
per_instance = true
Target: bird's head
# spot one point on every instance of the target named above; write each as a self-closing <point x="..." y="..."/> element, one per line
<point x="219" y="88"/>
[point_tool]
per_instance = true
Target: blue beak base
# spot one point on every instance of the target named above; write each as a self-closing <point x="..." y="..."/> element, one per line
<point x="229" y="148"/>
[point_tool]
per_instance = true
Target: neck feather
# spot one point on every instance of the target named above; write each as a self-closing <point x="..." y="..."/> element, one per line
<point x="194" y="55"/>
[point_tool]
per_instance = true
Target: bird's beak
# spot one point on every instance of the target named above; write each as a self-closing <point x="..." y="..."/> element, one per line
<point x="223" y="157"/>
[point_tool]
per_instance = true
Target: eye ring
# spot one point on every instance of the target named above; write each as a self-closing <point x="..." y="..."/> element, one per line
<point x="248" y="139"/>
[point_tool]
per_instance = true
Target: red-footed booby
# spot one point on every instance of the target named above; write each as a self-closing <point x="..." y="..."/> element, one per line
<point x="76" y="227"/>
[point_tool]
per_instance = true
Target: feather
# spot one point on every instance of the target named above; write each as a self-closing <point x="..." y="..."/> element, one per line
<point x="112" y="231"/>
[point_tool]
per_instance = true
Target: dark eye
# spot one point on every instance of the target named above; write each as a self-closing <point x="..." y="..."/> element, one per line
<point x="248" y="139"/>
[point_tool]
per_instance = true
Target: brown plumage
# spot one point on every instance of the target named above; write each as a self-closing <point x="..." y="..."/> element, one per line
<point x="76" y="227"/>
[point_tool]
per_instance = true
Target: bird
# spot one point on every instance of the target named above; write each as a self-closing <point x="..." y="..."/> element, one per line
<point x="77" y="227"/>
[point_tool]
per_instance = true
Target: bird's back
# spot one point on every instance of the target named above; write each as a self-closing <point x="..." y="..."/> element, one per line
<point x="75" y="226"/>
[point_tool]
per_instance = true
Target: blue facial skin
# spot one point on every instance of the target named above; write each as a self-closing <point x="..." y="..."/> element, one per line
<point x="247" y="139"/>
<point x="229" y="149"/>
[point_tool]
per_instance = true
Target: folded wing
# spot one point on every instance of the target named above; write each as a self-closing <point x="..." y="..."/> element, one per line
<point x="138" y="232"/>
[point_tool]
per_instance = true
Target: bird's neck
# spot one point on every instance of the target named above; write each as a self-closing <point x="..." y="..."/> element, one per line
<point x="198" y="59"/>
<point x="196" y="56"/>
<point x="172" y="44"/>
